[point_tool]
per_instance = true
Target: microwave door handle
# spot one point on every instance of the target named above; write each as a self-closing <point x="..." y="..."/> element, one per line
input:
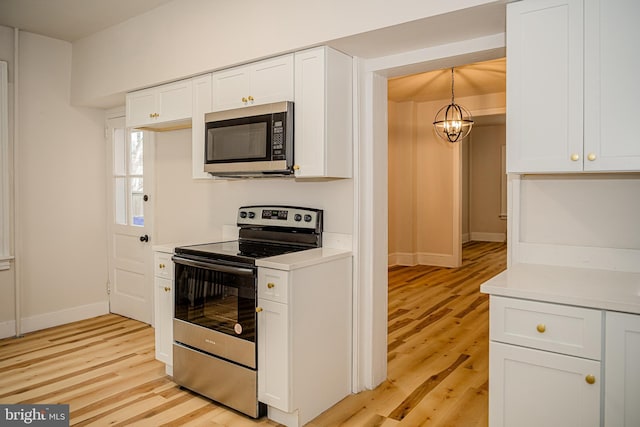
<point x="212" y="266"/>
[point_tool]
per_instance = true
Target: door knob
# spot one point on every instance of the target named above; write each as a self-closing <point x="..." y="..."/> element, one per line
<point x="145" y="198"/>
<point x="144" y="238"/>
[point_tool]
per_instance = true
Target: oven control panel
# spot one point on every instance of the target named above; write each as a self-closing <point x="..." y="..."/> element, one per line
<point x="280" y="216"/>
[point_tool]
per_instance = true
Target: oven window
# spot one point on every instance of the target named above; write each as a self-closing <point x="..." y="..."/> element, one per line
<point x="221" y="301"/>
<point x="239" y="142"/>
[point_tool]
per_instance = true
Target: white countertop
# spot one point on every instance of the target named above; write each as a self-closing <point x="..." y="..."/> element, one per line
<point x="601" y="289"/>
<point x="301" y="259"/>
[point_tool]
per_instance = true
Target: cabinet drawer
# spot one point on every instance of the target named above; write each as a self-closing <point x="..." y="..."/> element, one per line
<point x="163" y="266"/>
<point x="273" y="285"/>
<point x="545" y="326"/>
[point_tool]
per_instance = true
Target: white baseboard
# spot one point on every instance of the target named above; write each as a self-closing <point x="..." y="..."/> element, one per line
<point x="54" y="318"/>
<point x="488" y="237"/>
<point x="421" y="258"/>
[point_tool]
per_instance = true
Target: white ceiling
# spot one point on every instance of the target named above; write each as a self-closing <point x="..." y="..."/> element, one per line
<point x="70" y="20"/>
<point x="480" y="78"/>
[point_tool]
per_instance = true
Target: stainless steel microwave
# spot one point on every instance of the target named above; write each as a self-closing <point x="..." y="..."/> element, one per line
<point x="250" y="141"/>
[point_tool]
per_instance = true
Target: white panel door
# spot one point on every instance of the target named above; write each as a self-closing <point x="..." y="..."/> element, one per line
<point x="273" y="354"/>
<point x="130" y="258"/>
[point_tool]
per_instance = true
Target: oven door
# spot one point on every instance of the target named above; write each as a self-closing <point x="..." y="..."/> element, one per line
<point x="216" y="296"/>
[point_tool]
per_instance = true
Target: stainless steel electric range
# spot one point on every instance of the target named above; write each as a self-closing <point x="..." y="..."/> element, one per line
<point x="215" y="320"/>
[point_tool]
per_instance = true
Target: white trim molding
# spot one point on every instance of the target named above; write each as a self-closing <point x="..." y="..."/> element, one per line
<point x="4" y="168"/>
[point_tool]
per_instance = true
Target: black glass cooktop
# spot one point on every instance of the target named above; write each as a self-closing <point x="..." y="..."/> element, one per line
<point x="238" y="251"/>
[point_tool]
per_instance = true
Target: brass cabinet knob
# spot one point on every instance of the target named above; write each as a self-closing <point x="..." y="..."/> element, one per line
<point x="575" y="157"/>
<point x="151" y="115"/>
<point x="591" y="157"/>
<point x="161" y="265"/>
<point x="590" y="379"/>
<point x="167" y="289"/>
<point x="296" y="167"/>
<point x="244" y="99"/>
<point x="270" y="285"/>
<point x="250" y="98"/>
<point x="541" y="328"/>
<point x="258" y="309"/>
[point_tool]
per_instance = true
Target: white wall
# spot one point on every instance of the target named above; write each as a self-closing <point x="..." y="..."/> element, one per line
<point x="188" y="37"/>
<point x="61" y="237"/>
<point x="195" y="210"/>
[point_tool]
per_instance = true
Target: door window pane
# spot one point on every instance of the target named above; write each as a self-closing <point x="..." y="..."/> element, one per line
<point x="120" y="199"/>
<point x="128" y="188"/>
<point x="135" y="162"/>
<point x="137" y="202"/>
<point x="119" y="152"/>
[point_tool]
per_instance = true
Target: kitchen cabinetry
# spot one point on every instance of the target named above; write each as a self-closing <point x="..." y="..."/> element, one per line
<point x="201" y="106"/>
<point x="572" y="92"/>
<point x="163" y="308"/>
<point x="304" y="339"/>
<point x="257" y="83"/>
<point x="622" y="382"/>
<point x="163" y="107"/>
<point x="323" y="114"/>
<point x="544" y="364"/>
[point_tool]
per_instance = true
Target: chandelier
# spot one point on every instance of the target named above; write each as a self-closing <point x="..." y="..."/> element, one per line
<point x="453" y="122"/>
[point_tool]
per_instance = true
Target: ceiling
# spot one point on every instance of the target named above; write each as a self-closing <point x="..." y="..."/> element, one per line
<point x="70" y="20"/>
<point x="480" y="78"/>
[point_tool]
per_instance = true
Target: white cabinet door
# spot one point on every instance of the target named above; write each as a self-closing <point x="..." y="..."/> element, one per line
<point x="163" y="307"/>
<point x="230" y="88"/>
<point x="538" y="388"/>
<point x="140" y="107"/>
<point x="272" y="80"/>
<point x="163" y="320"/>
<point x="257" y="83"/>
<point x="273" y="354"/>
<point x="612" y="88"/>
<point x="622" y="368"/>
<point x="323" y="114"/>
<point x="175" y="101"/>
<point x="201" y="106"/>
<point x="158" y="106"/>
<point x="544" y="88"/>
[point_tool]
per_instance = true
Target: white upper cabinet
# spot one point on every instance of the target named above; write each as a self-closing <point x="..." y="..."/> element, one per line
<point x="612" y="88"/>
<point x="257" y="83"/>
<point x="323" y="114"/>
<point x="544" y="86"/>
<point x="166" y="106"/>
<point x="572" y="86"/>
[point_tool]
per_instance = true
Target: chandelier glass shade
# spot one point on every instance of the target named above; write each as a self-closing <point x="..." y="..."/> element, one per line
<point x="453" y="122"/>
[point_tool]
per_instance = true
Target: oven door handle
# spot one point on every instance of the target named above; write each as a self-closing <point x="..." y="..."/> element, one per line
<point x="213" y="266"/>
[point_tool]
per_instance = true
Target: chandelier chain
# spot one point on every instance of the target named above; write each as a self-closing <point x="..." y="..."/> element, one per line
<point x="452" y="75"/>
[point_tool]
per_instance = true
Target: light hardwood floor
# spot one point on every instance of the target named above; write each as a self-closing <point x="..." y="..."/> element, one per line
<point x="104" y="368"/>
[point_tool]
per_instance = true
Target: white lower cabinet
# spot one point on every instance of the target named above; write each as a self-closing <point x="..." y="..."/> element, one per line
<point x="622" y="367"/>
<point x="539" y="388"/>
<point x="163" y="308"/>
<point x="544" y="364"/>
<point x="304" y="339"/>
